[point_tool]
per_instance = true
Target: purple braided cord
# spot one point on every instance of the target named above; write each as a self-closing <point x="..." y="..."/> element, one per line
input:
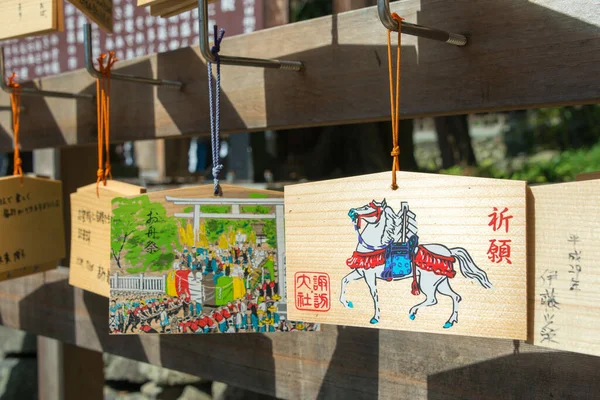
<point x="368" y="246"/>
<point x="215" y="111"/>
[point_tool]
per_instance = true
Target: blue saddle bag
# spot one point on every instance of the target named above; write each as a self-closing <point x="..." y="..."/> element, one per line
<point x="398" y="259"/>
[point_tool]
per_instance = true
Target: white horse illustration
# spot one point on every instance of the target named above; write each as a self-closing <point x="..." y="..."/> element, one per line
<point x="430" y="265"/>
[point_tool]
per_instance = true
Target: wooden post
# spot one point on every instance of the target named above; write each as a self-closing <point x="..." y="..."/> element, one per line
<point x="277" y="12"/>
<point x="340" y="6"/>
<point x="66" y="371"/>
<point x="50" y="369"/>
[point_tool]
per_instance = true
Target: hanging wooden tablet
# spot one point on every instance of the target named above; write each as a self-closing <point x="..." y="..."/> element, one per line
<point x="99" y="11"/>
<point x="442" y="254"/>
<point x="169" y="8"/>
<point x="20" y="18"/>
<point x="564" y="231"/>
<point x="31" y="225"/>
<point x="91" y="209"/>
<point x="184" y="261"/>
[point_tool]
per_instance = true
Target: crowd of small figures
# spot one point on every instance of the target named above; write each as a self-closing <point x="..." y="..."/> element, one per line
<point x="164" y="314"/>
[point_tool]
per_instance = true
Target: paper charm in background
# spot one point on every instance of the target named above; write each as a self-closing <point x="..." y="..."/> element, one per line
<point x="185" y="261"/>
<point x="91" y="211"/>
<point x="21" y="18"/>
<point x="564" y="232"/>
<point x="31" y="221"/>
<point x="441" y="254"/>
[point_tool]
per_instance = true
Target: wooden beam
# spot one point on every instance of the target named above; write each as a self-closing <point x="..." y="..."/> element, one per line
<point x="385" y="364"/>
<point x="513" y="61"/>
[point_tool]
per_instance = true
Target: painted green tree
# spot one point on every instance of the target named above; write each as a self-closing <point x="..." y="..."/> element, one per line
<point x="143" y="235"/>
<point x="270" y="231"/>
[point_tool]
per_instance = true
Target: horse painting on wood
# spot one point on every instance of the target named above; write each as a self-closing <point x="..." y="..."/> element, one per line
<point x="388" y="249"/>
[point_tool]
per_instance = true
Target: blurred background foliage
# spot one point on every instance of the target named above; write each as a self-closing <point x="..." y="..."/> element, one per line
<point x="540" y="146"/>
<point x="545" y="145"/>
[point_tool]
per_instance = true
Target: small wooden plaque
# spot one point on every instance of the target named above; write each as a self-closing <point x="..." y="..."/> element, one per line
<point x="21" y="18"/>
<point x="32" y="235"/>
<point x="170" y="8"/>
<point x="564" y="232"/>
<point x="185" y="261"/>
<point x="353" y="245"/>
<point x="90" y="234"/>
<point x="99" y="11"/>
<point x="148" y="3"/>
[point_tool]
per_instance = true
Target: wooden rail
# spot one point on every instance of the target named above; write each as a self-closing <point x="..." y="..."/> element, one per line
<point x="339" y="362"/>
<point x="521" y="54"/>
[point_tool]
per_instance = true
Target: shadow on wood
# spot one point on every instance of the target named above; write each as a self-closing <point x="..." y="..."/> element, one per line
<point x="54" y="301"/>
<point x="97" y="308"/>
<point x="557" y="375"/>
<point x="353" y="371"/>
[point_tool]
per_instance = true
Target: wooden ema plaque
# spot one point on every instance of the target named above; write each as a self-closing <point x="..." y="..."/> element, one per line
<point x="564" y="232"/>
<point x="90" y="234"/>
<point x="20" y="18"/>
<point x="32" y="235"/>
<point x="169" y="8"/>
<point x="442" y="254"/>
<point x="99" y="11"/>
<point x="185" y="261"/>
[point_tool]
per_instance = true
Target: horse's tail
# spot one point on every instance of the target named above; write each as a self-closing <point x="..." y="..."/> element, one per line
<point x="468" y="267"/>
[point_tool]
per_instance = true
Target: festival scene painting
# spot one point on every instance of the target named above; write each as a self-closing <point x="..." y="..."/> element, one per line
<point x="198" y="265"/>
<point x="440" y="254"/>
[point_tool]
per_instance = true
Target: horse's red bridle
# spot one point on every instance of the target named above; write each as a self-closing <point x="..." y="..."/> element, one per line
<point x="377" y="210"/>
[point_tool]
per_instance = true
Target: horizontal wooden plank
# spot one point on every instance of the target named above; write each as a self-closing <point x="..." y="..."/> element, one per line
<point x="513" y="61"/>
<point x="340" y="362"/>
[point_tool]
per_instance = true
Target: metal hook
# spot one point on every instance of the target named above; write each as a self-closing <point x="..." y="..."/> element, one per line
<point x="233" y="60"/>
<point x="89" y="66"/>
<point x="9" y="108"/>
<point x="383" y="8"/>
<point x="28" y="91"/>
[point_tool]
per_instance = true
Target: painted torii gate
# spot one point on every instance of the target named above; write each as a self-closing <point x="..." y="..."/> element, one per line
<point x="236" y="213"/>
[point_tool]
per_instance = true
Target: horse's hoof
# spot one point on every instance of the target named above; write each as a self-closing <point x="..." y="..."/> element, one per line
<point x="448" y="325"/>
<point x="350" y="305"/>
<point x="412" y="317"/>
<point x="374" y="321"/>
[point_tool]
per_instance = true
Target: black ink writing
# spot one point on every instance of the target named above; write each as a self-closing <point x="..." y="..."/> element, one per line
<point x="151" y="246"/>
<point x="89" y="216"/>
<point x="14" y="256"/>
<point x="37" y="207"/>
<point x="84" y="234"/>
<point x="102" y="272"/>
<point x="574" y="263"/>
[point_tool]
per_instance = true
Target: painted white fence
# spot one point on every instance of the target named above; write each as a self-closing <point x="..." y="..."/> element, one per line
<point x="138" y="283"/>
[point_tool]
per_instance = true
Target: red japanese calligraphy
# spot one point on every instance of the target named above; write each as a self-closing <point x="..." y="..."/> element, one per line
<point x="499" y="219"/>
<point x="500" y="251"/>
<point x="312" y="291"/>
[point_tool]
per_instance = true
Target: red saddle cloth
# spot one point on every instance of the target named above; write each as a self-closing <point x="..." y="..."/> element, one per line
<point x="372" y="259"/>
<point x="439" y="265"/>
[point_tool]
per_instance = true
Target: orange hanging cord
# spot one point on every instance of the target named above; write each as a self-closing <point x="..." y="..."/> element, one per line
<point x="395" y="100"/>
<point x="103" y="110"/>
<point x="15" y="102"/>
